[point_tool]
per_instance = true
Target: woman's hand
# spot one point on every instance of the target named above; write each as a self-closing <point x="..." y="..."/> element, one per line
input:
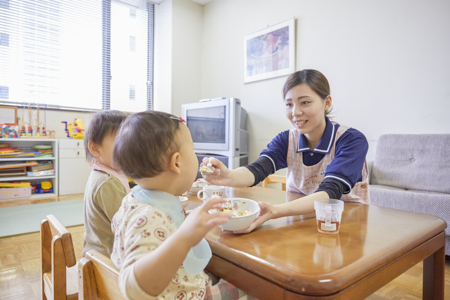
<point x="220" y="175"/>
<point x="199" y="222"/>
<point x="266" y="212"/>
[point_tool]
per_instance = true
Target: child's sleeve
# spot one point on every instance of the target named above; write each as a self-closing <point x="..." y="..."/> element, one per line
<point x="110" y="196"/>
<point x="141" y="234"/>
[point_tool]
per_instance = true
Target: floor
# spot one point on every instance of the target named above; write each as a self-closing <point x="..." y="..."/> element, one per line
<point x="20" y="266"/>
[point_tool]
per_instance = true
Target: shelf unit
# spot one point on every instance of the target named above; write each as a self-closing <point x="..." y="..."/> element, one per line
<point x="73" y="169"/>
<point x="26" y="145"/>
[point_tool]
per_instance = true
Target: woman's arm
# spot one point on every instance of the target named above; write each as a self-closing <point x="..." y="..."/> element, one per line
<point x="271" y="159"/>
<point x="240" y="177"/>
<point x="300" y="206"/>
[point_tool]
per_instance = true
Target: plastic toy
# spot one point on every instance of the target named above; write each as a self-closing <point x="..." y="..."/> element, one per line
<point x="44" y="187"/>
<point x="66" y="129"/>
<point x="10" y="130"/>
<point x="76" y="131"/>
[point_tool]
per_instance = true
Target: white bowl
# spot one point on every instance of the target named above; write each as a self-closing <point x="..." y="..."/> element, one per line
<point x="242" y="222"/>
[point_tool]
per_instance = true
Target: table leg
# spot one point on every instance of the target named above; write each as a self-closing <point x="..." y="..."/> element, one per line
<point x="433" y="276"/>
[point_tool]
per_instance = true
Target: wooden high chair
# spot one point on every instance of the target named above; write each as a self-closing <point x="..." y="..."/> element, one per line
<point x="275" y="179"/>
<point x="98" y="278"/>
<point x="58" y="261"/>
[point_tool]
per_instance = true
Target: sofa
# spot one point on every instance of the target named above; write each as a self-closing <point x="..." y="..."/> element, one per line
<point x="412" y="172"/>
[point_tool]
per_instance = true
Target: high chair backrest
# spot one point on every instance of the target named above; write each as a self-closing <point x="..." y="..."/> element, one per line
<point x="57" y="254"/>
<point x="275" y="179"/>
<point x="98" y="278"/>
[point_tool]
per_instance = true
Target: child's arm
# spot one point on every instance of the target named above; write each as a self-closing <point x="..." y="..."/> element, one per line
<point x="154" y="270"/>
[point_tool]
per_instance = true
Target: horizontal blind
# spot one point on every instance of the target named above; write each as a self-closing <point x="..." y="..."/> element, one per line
<point x="51" y="52"/>
<point x="87" y="54"/>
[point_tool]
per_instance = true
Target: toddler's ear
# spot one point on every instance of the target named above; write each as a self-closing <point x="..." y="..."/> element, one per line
<point x="174" y="163"/>
<point x="93" y="148"/>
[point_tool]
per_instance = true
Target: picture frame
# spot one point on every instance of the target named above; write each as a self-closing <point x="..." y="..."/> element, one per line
<point x="270" y="52"/>
<point x="8" y="114"/>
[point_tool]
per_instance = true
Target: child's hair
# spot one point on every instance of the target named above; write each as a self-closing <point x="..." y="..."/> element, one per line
<point x="103" y="123"/>
<point x="145" y="142"/>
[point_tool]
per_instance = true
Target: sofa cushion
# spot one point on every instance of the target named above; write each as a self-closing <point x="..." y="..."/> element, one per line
<point x="413" y="162"/>
<point x="431" y="203"/>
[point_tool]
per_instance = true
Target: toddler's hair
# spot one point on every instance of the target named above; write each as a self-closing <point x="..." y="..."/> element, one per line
<point x="102" y="124"/>
<point x="145" y="143"/>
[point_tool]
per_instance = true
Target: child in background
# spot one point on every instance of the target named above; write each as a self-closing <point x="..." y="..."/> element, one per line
<point x="153" y="241"/>
<point x="106" y="187"/>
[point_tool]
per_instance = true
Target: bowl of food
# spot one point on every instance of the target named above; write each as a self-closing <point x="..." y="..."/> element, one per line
<point x="244" y="213"/>
<point x="198" y="185"/>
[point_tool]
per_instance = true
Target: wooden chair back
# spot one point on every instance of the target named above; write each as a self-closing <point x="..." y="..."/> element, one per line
<point x="98" y="278"/>
<point x="275" y="179"/>
<point x="57" y="255"/>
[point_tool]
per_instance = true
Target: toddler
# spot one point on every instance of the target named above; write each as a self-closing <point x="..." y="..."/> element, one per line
<point x="154" y="245"/>
<point x="106" y="187"/>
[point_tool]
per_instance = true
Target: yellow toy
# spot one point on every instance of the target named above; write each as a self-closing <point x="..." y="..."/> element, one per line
<point x="74" y="132"/>
<point x="78" y="129"/>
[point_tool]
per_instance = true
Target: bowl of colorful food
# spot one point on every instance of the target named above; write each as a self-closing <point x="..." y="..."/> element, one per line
<point x="244" y="213"/>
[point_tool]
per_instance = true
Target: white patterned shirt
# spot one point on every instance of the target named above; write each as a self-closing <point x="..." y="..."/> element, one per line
<point x="138" y="229"/>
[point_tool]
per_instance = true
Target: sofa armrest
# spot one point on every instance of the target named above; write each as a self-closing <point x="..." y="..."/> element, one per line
<point x="369" y="169"/>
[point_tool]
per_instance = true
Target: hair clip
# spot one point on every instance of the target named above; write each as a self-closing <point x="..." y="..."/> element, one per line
<point x="178" y="118"/>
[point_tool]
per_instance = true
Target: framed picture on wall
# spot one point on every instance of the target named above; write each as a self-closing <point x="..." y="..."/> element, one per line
<point x="270" y="52"/>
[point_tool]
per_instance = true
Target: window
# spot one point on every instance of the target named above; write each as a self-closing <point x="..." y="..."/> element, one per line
<point x="77" y="54"/>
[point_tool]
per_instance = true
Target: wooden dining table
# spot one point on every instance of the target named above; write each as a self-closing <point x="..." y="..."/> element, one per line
<point x="287" y="258"/>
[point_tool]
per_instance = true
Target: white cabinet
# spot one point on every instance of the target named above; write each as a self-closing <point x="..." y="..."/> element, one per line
<point x="26" y="145"/>
<point x="73" y="168"/>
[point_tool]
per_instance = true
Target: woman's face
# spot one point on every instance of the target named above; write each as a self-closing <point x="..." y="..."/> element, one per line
<point x="305" y="109"/>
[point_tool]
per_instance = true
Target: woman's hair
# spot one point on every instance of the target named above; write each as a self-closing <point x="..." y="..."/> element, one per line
<point x="313" y="78"/>
<point x="102" y="124"/>
<point x="145" y="143"/>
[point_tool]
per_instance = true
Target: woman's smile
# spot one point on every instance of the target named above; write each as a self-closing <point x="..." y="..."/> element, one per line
<point x="300" y="123"/>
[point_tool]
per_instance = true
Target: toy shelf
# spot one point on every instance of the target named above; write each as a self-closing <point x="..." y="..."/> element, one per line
<point x="44" y="195"/>
<point x="28" y="158"/>
<point x="26" y="178"/>
<point x="26" y="145"/>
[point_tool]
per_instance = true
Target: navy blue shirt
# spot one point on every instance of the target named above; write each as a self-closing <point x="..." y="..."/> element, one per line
<point x="350" y="153"/>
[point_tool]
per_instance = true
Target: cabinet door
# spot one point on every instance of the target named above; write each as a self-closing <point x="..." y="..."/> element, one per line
<point x="73" y="169"/>
<point x="73" y="175"/>
<point x="71" y="144"/>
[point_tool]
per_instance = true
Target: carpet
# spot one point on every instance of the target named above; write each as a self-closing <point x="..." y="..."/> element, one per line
<point x="27" y="218"/>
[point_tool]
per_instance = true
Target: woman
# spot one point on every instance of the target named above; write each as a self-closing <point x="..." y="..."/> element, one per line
<point x="324" y="159"/>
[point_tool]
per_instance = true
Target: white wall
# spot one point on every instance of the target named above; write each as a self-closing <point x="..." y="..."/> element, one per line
<point x="178" y="54"/>
<point x="387" y="62"/>
<point x="187" y="53"/>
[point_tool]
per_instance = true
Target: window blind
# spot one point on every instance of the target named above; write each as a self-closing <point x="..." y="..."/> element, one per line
<point x="77" y="54"/>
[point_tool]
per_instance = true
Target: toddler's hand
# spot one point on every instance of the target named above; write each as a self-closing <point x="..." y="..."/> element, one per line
<point x="199" y="222"/>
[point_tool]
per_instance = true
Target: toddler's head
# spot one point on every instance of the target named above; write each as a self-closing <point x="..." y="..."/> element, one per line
<point x="100" y="134"/>
<point x="153" y="144"/>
